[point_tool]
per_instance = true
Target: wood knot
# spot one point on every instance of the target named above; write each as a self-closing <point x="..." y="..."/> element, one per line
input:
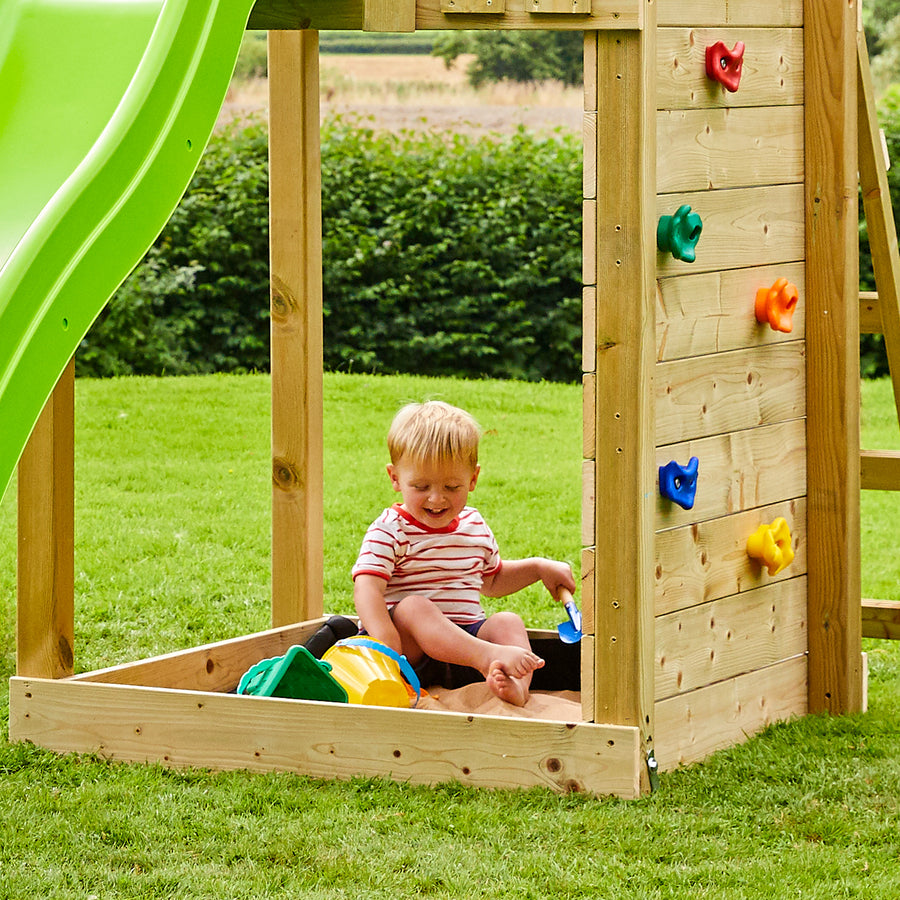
<point x="553" y="764"/>
<point x="285" y="475"/>
<point x="283" y="303"/>
<point x="65" y="653"/>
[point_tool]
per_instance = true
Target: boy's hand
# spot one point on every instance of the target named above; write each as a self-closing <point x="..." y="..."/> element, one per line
<point x="556" y="575"/>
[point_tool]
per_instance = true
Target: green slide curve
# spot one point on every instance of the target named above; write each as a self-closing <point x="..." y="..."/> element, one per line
<point x="105" y="109"/>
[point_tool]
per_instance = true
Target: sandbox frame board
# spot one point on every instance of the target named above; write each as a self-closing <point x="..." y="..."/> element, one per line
<point x="689" y="646"/>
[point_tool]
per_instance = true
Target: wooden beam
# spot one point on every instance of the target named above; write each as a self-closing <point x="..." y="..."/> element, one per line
<point x="524" y="15"/>
<point x="880" y="470"/>
<point x="693" y="725"/>
<point x="624" y="340"/>
<point x="215" y="667"/>
<point x="740" y="470"/>
<point x="713" y="149"/>
<point x="296" y="271"/>
<point x="774" y="78"/>
<point x="869" y="313"/>
<point x="290" y="15"/>
<point x="698" y="563"/>
<point x="881" y="619"/>
<point x="727" y="392"/>
<point x="389" y="15"/>
<point x="832" y="335"/>
<point x="755" y="226"/>
<point x="45" y="623"/>
<point x="713" y="312"/>
<point x="728" y="637"/>
<point x="774" y="13"/>
<point x="378" y="15"/>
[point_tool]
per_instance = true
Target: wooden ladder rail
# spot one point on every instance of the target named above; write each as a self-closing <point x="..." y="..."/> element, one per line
<point x="880" y="312"/>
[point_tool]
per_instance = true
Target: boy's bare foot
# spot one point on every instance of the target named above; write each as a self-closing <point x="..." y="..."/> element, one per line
<point x="512" y="690"/>
<point x="517" y="662"/>
<point x="509" y="673"/>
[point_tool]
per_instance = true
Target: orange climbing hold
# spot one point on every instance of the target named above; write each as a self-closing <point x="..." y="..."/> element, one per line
<point x="776" y="305"/>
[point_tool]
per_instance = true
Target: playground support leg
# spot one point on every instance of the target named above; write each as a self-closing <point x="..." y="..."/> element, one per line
<point x="832" y="336"/>
<point x="45" y="623"/>
<point x="620" y="260"/>
<point x="296" y="271"/>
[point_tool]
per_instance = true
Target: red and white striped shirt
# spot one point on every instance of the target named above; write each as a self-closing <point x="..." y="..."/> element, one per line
<point x="447" y="565"/>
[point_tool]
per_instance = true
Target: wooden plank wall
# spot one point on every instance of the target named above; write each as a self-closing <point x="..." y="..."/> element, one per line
<point x="731" y="641"/>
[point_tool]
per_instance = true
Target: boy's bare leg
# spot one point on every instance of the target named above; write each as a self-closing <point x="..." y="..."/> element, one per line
<point x="506" y="628"/>
<point x="506" y="667"/>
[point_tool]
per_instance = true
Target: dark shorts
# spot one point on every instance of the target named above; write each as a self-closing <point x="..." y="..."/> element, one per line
<point x="435" y="671"/>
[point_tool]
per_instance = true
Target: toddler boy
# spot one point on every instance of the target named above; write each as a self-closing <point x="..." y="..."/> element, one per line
<point x="425" y="562"/>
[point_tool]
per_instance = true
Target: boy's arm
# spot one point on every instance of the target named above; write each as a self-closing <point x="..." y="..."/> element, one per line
<point x="368" y="597"/>
<point x="515" y="574"/>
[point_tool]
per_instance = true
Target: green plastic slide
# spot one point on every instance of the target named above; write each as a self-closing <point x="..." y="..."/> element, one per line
<point x="105" y="109"/>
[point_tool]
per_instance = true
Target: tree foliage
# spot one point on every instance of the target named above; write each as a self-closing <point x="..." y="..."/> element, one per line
<point x="522" y="56"/>
<point x="881" y="23"/>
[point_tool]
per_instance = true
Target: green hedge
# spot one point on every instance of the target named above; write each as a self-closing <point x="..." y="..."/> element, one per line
<point x="198" y="301"/>
<point x="452" y="255"/>
<point x="442" y="255"/>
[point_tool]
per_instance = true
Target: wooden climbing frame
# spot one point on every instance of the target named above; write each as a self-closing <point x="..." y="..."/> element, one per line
<point x="689" y="645"/>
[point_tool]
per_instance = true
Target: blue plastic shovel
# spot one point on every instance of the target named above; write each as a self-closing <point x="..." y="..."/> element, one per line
<point x="569" y="632"/>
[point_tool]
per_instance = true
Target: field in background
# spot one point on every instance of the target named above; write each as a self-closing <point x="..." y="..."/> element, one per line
<point x="416" y="91"/>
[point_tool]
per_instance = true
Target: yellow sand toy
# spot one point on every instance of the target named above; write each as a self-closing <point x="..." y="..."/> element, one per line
<point x="372" y="673"/>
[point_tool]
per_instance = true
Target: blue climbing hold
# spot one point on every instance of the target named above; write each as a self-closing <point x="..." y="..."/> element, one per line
<point x="679" y="483"/>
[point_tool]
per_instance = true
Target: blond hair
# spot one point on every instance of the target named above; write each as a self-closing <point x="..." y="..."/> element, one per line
<point x="434" y="430"/>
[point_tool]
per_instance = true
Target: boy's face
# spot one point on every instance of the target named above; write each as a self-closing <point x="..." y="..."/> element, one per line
<point x="433" y="492"/>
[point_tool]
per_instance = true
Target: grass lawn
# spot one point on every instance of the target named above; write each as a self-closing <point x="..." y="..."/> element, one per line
<point x="172" y="551"/>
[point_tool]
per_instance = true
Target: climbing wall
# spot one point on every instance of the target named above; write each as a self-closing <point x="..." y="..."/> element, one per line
<point x="729" y="391"/>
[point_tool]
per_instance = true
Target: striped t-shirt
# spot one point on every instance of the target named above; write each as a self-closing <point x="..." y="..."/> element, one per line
<point x="447" y="565"/>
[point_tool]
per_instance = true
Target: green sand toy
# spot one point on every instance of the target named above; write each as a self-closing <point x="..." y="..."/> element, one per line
<point x="297" y="675"/>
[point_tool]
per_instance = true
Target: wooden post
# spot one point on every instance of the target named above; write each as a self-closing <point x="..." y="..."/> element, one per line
<point x="295" y="211"/>
<point x="832" y="335"/>
<point x="45" y="623"/>
<point x="620" y="261"/>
